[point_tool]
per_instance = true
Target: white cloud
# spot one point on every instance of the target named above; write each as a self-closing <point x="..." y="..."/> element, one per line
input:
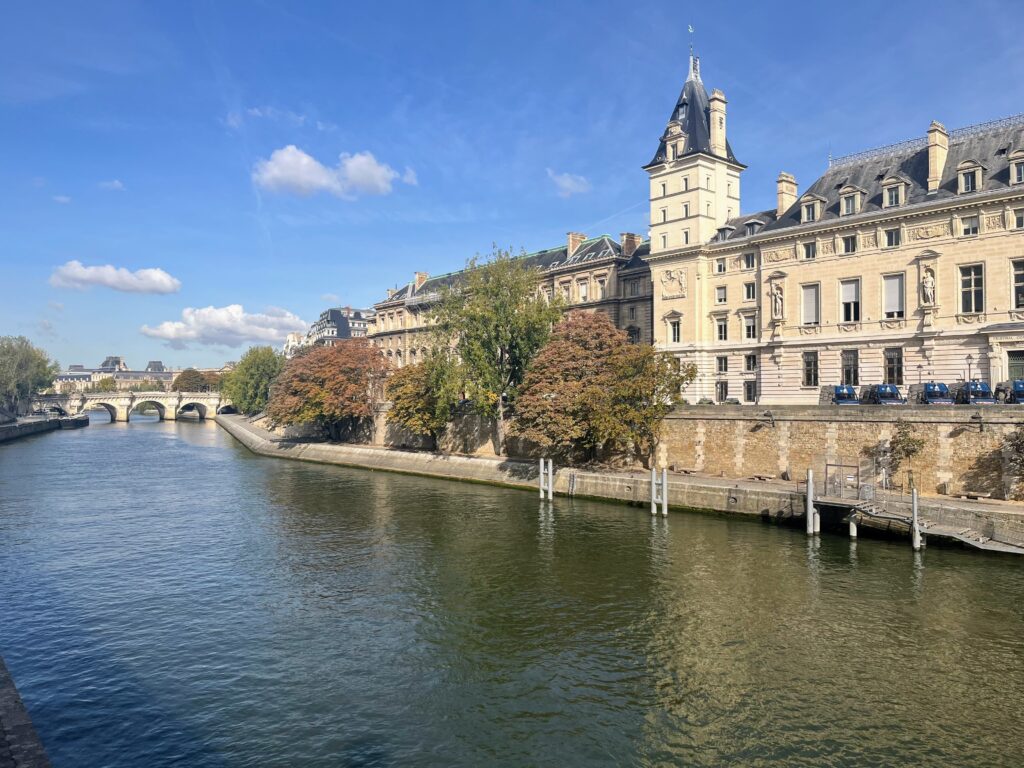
<point x="409" y="177"/>
<point x="233" y="119"/>
<point x="569" y="184"/>
<point x="330" y="298"/>
<point x="114" y="185"/>
<point x="229" y="326"/>
<point x="273" y="113"/>
<point x="76" y="275"/>
<point x="62" y="199"/>
<point x="323" y="125"/>
<point x="291" y="170"/>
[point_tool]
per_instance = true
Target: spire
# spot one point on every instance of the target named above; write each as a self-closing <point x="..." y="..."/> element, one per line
<point x="694" y="73"/>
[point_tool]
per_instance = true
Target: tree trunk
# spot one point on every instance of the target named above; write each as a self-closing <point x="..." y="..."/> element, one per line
<point x="500" y="427"/>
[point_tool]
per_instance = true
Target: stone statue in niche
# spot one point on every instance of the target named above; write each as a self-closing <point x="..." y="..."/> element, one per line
<point x="673" y="284"/>
<point x="928" y="286"/>
<point x="778" y="306"/>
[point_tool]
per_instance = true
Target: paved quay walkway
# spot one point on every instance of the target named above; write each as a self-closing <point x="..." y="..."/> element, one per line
<point x="19" y="745"/>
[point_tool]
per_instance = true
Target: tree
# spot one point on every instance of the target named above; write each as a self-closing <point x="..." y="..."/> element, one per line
<point x="106" y="384"/>
<point x="903" y="446"/>
<point x="331" y="386"/>
<point x="248" y="385"/>
<point x="494" y="322"/>
<point x="589" y="388"/>
<point x="212" y="381"/>
<point x="424" y="396"/>
<point x="24" y="370"/>
<point x="147" y="385"/>
<point x="189" y="380"/>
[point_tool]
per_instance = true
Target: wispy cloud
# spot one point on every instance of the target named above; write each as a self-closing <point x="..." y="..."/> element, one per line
<point x="235" y="118"/>
<point x="330" y="298"/>
<point x="229" y="326"/>
<point x="289" y="169"/>
<point x="568" y="184"/>
<point x="62" y="199"/>
<point x="114" y="185"/>
<point x="77" y="276"/>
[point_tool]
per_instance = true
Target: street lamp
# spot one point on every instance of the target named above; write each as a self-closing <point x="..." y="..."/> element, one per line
<point x="920" y="368"/>
<point x="970" y="359"/>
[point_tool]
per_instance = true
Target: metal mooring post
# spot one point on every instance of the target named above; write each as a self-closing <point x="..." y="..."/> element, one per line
<point x="853" y="527"/>
<point x="809" y="510"/>
<point x="654" y="491"/>
<point x="664" y="492"/>
<point x="540" y="480"/>
<point x="915" y="529"/>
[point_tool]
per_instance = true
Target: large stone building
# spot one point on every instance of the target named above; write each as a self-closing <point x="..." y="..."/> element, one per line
<point x="333" y="325"/>
<point x="78" y="378"/>
<point x="598" y="274"/>
<point x="898" y="264"/>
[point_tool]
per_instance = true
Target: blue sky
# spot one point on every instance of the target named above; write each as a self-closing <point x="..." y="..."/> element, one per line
<point x="265" y="160"/>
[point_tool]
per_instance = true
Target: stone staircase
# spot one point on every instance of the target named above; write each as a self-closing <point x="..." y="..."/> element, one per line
<point x="967" y="536"/>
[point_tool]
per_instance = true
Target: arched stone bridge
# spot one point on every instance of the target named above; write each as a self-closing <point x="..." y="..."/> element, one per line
<point x="119" y="404"/>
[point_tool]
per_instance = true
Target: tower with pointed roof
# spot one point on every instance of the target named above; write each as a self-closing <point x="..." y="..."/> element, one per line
<point x="694" y="176"/>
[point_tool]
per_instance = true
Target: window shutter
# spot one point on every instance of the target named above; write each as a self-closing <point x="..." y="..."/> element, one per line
<point x="810" y="304"/>
<point x="849" y="290"/>
<point x="893" y="290"/>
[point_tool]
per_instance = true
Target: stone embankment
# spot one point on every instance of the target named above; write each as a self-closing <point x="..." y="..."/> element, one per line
<point x="19" y="745"/>
<point x="769" y="500"/>
<point x="26" y="427"/>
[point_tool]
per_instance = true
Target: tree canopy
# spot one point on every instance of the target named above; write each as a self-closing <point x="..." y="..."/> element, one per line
<point x="248" y="385"/>
<point x="494" y="321"/>
<point x="424" y="396"/>
<point x="189" y="380"/>
<point x="588" y="387"/>
<point x="330" y="386"/>
<point x="24" y="370"/>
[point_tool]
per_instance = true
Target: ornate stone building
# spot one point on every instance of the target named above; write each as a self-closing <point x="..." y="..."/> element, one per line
<point x="898" y="264"/>
<point x="596" y="274"/>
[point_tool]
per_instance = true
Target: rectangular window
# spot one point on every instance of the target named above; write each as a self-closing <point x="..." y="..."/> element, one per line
<point x="851" y="369"/>
<point x="664" y="215"/>
<point x="632" y="313"/>
<point x="722" y="329"/>
<point x="720" y="295"/>
<point x="849" y="205"/>
<point x="583" y="289"/>
<point x="969" y="181"/>
<point x="674" y="327"/>
<point x="1018" y="218"/>
<point x="810" y="360"/>
<point x="892" y="196"/>
<point x="566" y="291"/>
<point x="748" y="259"/>
<point x="749" y="291"/>
<point x="972" y="289"/>
<point x="750" y="391"/>
<point x="722" y="364"/>
<point x="719" y="266"/>
<point x="809" y="305"/>
<point x="686" y="237"/>
<point x="601" y="289"/>
<point x="849" y="296"/>
<point x="686" y="183"/>
<point x="892" y="296"/>
<point x="750" y="363"/>
<point x="675" y="151"/>
<point x="809" y="212"/>
<point x="850" y="244"/>
<point x="893" y="366"/>
<point x="810" y="250"/>
<point x="664" y="190"/>
<point x="634" y="288"/>
<point x="721" y="391"/>
<point x="664" y="241"/>
<point x="1018" y="176"/>
<point x="892" y="238"/>
<point x="686" y="210"/>
<point x="970" y="225"/>
<point x="750" y="327"/>
<point x="1018" y="285"/>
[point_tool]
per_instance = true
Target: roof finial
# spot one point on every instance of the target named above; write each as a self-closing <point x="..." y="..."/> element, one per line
<point x="694" y="73"/>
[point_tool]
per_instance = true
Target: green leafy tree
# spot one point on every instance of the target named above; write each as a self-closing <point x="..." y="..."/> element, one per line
<point x="333" y="387"/>
<point x="106" y="384"/>
<point x="248" y="385"/>
<point x="494" y="321"/>
<point x="903" y="445"/>
<point x="189" y="380"/>
<point x="589" y="388"/>
<point x="25" y="369"/>
<point x="148" y="385"/>
<point x="212" y="381"/>
<point x="424" y="396"/>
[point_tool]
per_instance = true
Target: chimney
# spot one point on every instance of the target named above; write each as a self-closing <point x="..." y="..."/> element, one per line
<point x="938" y="147"/>
<point x="717" y="109"/>
<point x="419" y="278"/>
<point x="630" y="242"/>
<point x="787" y="193"/>
<point x="575" y="241"/>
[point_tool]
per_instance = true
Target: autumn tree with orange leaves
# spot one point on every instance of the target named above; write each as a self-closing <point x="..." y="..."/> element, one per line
<point x="333" y="387"/>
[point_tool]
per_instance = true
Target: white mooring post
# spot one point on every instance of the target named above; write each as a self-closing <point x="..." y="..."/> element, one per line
<point x="915" y="529"/>
<point x="540" y="480"/>
<point x="654" y="491"/>
<point x="551" y="479"/>
<point x="664" y="492"/>
<point x="853" y="528"/>
<point x="809" y="511"/>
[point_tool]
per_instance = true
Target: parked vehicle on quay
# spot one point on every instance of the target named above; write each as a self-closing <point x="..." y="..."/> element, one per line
<point x="883" y="394"/>
<point x="974" y="393"/>
<point x="931" y="393"/>
<point x="1010" y="392"/>
<point x="844" y="394"/>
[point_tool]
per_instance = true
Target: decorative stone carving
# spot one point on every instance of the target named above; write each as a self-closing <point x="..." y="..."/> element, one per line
<point x="928" y="286"/>
<point x="778" y="301"/>
<point x="1016" y="314"/>
<point x="930" y="231"/>
<point x="869" y="240"/>
<point x="673" y="284"/>
<point x="893" y="324"/>
<point x="826" y="247"/>
<point x="994" y="221"/>
<point x="780" y="254"/>
<point x="970" y="319"/>
<point x="810" y="330"/>
<point x="848" y="327"/>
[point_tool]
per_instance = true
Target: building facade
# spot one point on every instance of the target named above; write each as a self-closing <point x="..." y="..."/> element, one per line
<point x="78" y="378"/>
<point x="898" y="265"/>
<point x="333" y="325"/>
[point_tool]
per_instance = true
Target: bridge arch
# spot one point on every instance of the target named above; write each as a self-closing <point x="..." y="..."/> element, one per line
<point x="191" y="406"/>
<point x="160" y="408"/>
<point x="226" y="408"/>
<point x="112" y="410"/>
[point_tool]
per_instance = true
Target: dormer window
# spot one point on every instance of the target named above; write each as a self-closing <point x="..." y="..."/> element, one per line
<point x="753" y="227"/>
<point x="810" y="212"/>
<point x="810" y="207"/>
<point x="1017" y="167"/>
<point x="968" y="181"/>
<point x="849" y="205"/>
<point x="971" y="176"/>
<point x="892" y="196"/>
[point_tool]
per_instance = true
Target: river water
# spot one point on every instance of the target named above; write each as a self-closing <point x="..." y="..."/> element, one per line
<point x="168" y="598"/>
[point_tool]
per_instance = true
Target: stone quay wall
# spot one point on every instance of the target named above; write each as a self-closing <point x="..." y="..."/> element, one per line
<point x="964" y="447"/>
<point x="19" y="744"/>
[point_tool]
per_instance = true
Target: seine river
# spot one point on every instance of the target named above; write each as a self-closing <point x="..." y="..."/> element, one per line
<point x="168" y="598"/>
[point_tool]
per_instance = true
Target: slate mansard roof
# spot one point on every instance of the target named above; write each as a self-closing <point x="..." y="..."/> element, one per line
<point x="989" y="144"/>
<point x="549" y="260"/>
<point x="692" y="113"/>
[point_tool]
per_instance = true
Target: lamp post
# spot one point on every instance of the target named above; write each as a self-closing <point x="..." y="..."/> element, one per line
<point x="920" y="369"/>
<point x="970" y="359"/>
